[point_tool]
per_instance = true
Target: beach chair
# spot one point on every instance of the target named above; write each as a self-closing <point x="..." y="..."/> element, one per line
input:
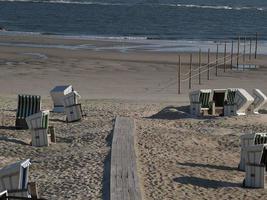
<point x="200" y="102"/>
<point x="255" y="166"/>
<point x="259" y="100"/>
<point x="27" y="105"/>
<point x="38" y="124"/>
<point x="243" y="100"/>
<point x="249" y="140"/>
<point x="73" y="109"/>
<point x="14" y="179"/>
<point x="58" y="93"/>
<point x="230" y="106"/>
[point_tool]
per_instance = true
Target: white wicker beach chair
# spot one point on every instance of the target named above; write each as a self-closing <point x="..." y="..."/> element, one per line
<point x="260" y="100"/>
<point x="255" y="168"/>
<point x="243" y="100"/>
<point x="250" y="140"/>
<point x="58" y="93"/>
<point x="73" y="109"/>
<point x="14" y="178"/>
<point x="38" y="124"/>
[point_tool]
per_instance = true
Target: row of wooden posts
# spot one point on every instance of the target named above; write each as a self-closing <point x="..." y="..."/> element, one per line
<point x="217" y="61"/>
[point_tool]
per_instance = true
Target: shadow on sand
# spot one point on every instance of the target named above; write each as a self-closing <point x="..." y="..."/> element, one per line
<point x="107" y="167"/>
<point x="7" y="128"/>
<point x="58" y="120"/>
<point x="206" y="183"/>
<point x="220" y="167"/>
<point x="13" y="140"/>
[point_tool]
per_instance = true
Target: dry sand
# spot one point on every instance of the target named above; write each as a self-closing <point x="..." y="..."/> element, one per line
<point x="179" y="157"/>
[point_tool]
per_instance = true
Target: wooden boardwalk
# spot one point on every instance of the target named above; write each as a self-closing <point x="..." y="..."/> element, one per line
<point x="124" y="181"/>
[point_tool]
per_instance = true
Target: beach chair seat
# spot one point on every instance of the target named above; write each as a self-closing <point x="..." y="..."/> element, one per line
<point x="73" y="112"/>
<point x="27" y="105"/>
<point x="58" y="93"/>
<point x="38" y="124"/>
<point x="249" y="140"/>
<point x="218" y="101"/>
<point x="200" y="102"/>
<point x="260" y="100"/>
<point x="14" y="179"/>
<point x="255" y="166"/>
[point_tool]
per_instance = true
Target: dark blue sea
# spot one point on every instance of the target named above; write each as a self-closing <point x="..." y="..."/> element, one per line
<point x="152" y="19"/>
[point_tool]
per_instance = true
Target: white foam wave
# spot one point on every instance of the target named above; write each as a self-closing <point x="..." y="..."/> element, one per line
<point x="223" y="7"/>
<point x="67" y="2"/>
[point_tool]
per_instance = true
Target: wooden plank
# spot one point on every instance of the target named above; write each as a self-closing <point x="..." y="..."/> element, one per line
<point x="124" y="181"/>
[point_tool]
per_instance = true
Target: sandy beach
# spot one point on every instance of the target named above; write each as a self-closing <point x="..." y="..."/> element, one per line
<point x="179" y="157"/>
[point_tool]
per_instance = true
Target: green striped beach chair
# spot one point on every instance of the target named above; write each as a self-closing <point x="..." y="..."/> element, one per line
<point x="200" y="102"/>
<point x="27" y="105"/>
<point x="230" y="105"/>
<point x="38" y="124"/>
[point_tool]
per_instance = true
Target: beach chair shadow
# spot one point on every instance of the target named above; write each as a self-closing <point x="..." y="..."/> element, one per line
<point x="7" y="128"/>
<point x="205" y="183"/>
<point x="57" y="120"/>
<point x="219" y="167"/>
<point x="13" y="140"/>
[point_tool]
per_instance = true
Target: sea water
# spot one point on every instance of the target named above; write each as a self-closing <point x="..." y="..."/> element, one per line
<point x="192" y="22"/>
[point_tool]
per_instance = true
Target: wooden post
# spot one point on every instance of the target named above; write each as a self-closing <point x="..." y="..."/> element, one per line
<point x="224" y="60"/>
<point x="244" y="53"/>
<point x="232" y="51"/>
<point x="208" y="75"/>
<point x="179" y="76"/>
<point x="256" y="45"/>
<point x="217" y="56"/>
<point x="34" y="190"/>
<point x="250" y="47"/>
<point x="237" y="55"/>
<point x="190" y="71"/>
<point x="199" y="67"/>
<point x="52" y="133"/>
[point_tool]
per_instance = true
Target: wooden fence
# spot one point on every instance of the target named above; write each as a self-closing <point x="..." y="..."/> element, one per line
<point x="230" y="57"/>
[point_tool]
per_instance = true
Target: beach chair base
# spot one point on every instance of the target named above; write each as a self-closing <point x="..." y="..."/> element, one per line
<point x="40" y="138"/>
<point x="18" y="193"/>
<point x="255" y="176"/>
<point x="229" y="110"/>
<point x="74" y="113"/>
<point x="21" y="124"/>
